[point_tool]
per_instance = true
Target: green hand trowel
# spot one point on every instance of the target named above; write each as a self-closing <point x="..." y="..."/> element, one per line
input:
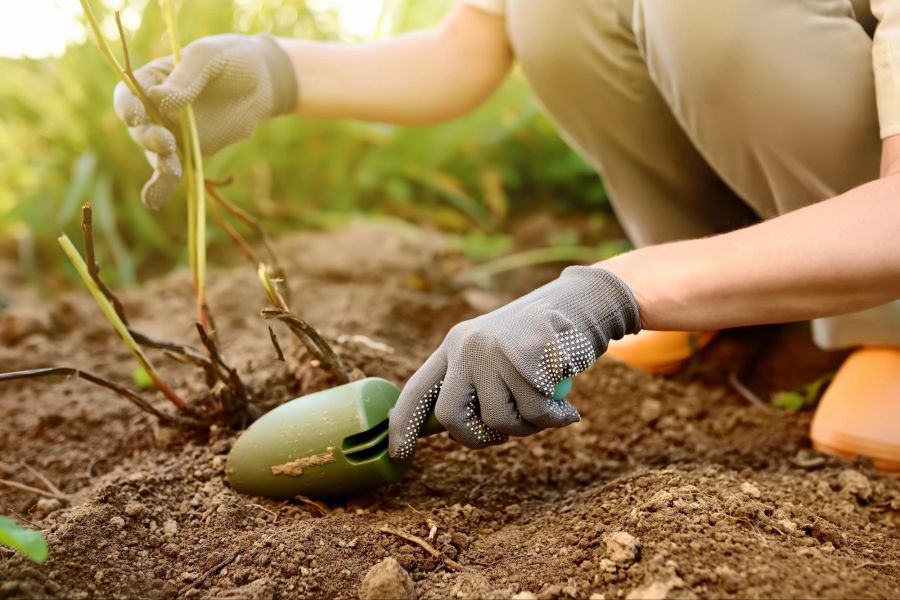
<point x="328" y="444"/>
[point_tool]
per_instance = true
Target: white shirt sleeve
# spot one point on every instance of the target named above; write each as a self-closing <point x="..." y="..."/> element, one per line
<point x="495" y="7"/>
<point x="886" y="64"/>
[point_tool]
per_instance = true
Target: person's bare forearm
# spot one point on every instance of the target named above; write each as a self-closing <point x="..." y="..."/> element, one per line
<point x="837" y="256"/>
<point x="418" y="78"/>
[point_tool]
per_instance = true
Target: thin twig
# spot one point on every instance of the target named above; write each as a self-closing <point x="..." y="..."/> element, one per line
<point x="324" y="510"/>
<point x="182" y="353"/>
<point x="425" y="546"/>
<point x="44" y="479"/>
<point x="120" y="327"/>
<point x="33" y="490"/>
<point x="248" y="219"/>
<point x="278" y="352"/>
<point x="232" y="379"/>
<point x="233" y="233"/>
<point x="190" y="354"/>
<point x="90" y="257"/>
<point x="311" y="339"/>
<point x="744" y="391"/>
<point x="213" y="571"/>
<point x="263" y="508"/>
<point x="123" y="391"/>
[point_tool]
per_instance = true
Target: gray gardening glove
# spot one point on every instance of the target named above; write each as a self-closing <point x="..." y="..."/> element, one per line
<point x="234" y="82"/>
<point x="494" y="376"/>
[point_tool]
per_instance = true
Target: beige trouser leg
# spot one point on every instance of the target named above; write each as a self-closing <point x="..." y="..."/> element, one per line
<point x="706" y="115"/>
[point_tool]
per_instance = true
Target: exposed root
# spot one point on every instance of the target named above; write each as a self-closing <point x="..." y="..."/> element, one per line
<point x="319" y="506"/>
<point x="123" y="391"/>
<point x="33" y="490"/>
<point x="44" y="479"/>
<point x="212" y="571"/>
<point x="425" y="546"/>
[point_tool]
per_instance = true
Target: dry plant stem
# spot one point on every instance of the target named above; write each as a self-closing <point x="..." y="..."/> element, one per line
<point x="312" y="340"/>
<point x="212" y="571"/>
<point x="425" y="546"/>
<point x="236" y="211"/>
<point x="278" y="352"/>
<point x="300" y="328"/>
<point x="323" y="510"/>
<point x="120" y="327"/>
<point x="44" y="479"/>
<point x="190" y="354"/>
<point x="123" y="391"/>
<point x="87" y="233"/>
<point x="233" y="233"/>
<point x="744" y="391"/>
<point x="179" y="352"/>
<point x="231" y="377"/>
<point x="33" y="490"/>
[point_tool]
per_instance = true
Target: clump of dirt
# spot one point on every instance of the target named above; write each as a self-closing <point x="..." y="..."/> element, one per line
<point x="666" y="488"/>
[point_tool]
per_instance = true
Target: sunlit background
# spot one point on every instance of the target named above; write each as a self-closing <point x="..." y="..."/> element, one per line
<point x="483" y="179"/>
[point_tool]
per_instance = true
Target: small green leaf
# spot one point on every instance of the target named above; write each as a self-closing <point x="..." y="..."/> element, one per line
<point x="142" y="379"/>
<point x="27" y="541"/>
<point x="806" y="396"/>
<point x="788" y="400"/>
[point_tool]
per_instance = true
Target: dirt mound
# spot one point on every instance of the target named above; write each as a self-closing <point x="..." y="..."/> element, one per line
<point x="667" y="488"/>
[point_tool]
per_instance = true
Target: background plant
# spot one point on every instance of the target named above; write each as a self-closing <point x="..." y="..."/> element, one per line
<point x="27" y="541"/>
<point x="62" y="145"/>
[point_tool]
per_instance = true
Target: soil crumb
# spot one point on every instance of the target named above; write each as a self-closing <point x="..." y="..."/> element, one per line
<point x="387" y="580"/>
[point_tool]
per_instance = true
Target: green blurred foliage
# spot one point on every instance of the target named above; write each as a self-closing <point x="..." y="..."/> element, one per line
<point x="804" y="397"/>
<point x="29" y="542"/>
<point x="62" y="144"/>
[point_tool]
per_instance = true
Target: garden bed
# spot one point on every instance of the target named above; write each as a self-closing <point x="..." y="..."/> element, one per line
<point x="719" y="498"/>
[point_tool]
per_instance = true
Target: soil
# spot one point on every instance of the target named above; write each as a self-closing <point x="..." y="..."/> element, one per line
<point x="675" y="487"/>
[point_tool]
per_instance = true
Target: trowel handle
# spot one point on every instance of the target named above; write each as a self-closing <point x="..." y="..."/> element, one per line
<point x="432" y="426"/>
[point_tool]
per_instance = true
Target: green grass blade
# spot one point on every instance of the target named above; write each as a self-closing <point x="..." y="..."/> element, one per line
<point x="27" y="541"/>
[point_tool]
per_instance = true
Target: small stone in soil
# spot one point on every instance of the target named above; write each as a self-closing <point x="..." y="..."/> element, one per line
<point x="650" y="410"/>
<point x="623" y="548"/>
<point x="459" y="539"/>
<point x="855" y="483"/>
<point x="45" y="506"/>
<point x="750" y="489"/>
<point x="170" y="527"/>
<point x="387" y="580"/>
<point x="133" y="509"/>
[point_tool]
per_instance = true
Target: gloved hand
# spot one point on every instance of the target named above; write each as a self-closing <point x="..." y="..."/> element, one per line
<point x="493" y="376"/>
<point x="234" y="82"/>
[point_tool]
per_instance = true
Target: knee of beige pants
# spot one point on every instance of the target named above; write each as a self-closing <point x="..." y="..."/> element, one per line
<point x="778" y="96"/>
<point x="582" y="62"/>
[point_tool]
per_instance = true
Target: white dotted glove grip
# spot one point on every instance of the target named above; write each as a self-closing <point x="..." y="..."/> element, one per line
<point x="494" y="376"/>
<point x="234" y="82"/>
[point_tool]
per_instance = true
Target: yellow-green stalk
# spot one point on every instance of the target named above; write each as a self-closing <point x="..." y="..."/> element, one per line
<point x="262" y="271"/>
<point x="110" y="312"/>
<point x="193" y="167"/>
<point x="115" y="64"/>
